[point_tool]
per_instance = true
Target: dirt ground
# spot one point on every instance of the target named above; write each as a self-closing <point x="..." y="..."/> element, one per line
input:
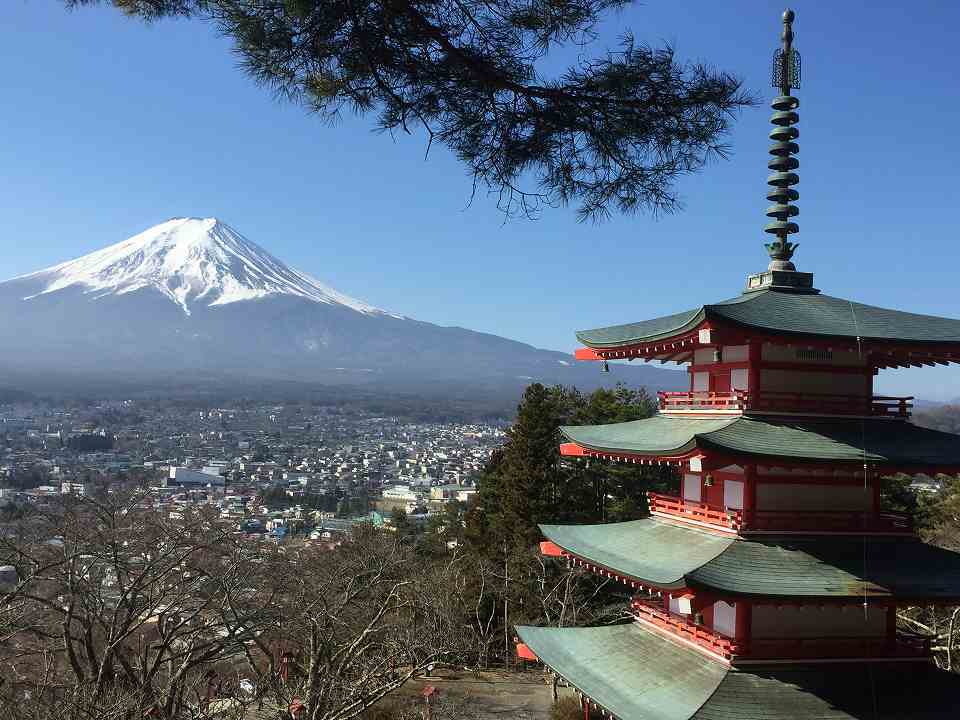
<point x="465" y="695"/>
<point x="488" y="695"/>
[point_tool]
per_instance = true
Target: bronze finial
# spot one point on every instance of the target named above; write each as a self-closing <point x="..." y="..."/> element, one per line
<point x="786" y="60"/>
<point x="786" y="75"/>
<point x="781" y="272"/>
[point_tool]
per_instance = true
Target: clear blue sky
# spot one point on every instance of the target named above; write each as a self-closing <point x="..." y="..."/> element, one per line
<point x="108" y="126"/>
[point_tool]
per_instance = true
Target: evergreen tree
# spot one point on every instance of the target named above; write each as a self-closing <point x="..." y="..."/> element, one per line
<point x="611" y="133"/>
<point x="527" y="482"/>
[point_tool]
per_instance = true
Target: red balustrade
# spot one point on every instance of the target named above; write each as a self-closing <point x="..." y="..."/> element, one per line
<point x="781" y="520"/>
<point x="773" y="401"/>
<point x="701" y="512"/>
<point x="903" y="645"/>
<point x="683" y="628"/>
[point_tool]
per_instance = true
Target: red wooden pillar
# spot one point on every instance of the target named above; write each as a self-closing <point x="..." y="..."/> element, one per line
<point x="749" y="494"/>
<point x="754" y="356"/>
<point x="744" y="618"/>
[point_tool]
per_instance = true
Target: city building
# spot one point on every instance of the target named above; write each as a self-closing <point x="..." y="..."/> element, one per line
<point x="769" y="586"/>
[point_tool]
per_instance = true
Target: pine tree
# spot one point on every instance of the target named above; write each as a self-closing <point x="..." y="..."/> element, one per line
<point x="611" y="133"/>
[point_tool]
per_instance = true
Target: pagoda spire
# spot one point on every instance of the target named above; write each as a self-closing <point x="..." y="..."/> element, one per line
<point x="781" y="272"/>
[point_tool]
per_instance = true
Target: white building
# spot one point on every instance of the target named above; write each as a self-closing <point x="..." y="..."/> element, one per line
<point x="187" y="478"/>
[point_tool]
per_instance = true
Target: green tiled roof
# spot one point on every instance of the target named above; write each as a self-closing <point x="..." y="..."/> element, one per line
<point x="639" y="675"/>
<point x="826" y="566"/>
<point x="885" y="441"/>
<point x="660" y="434"/>
<point x="868" y="691"/>
<point x="647" y="550"/>
<point x="788" y="312"/>
<point x="663" y="554"/>
<point x="632" y="672"/>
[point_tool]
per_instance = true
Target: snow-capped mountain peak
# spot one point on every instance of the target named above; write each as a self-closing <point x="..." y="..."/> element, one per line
<point x="191" y="261"/>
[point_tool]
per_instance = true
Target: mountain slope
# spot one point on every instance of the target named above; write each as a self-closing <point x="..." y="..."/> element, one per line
<point x="193" y="298"/>
<point x="189" y="260"/>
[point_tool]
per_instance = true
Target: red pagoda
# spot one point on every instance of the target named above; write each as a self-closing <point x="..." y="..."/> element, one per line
<point x="769" y="587"/>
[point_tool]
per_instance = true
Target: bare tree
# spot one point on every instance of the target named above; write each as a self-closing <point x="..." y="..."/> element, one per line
<point x="118" y="613"/>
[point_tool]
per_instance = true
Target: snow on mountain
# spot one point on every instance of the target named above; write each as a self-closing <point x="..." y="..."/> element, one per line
<point x="190" y="261"/>
<point x="192" y="300"/>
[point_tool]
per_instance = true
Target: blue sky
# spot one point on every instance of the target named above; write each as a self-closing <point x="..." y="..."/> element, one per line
<point x="109" y="126"/>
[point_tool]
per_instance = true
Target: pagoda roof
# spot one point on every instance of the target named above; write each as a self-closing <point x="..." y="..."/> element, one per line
<point x="658" y="553"/>
<point x="785" y="312"/>
<point x="661" y="554"/>
<point x="880" y="441"/>
<point x="636" y="674"/>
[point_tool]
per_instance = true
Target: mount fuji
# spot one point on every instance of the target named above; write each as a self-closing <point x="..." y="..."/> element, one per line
<point x="192" y="300"/>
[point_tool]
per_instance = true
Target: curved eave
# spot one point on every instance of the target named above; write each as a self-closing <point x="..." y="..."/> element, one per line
<point x="670" y="552"/>
<point x="658" y="554"/>
<point x="890" y="445"/>
<point x="629" y="671"/>
<point x="655" y="439"/>
<point x="894" y="338"/>
<point x="687" y="322"/>
<point x="635" y="674"/>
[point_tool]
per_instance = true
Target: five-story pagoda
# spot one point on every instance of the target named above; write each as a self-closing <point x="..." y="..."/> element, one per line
<point x="769" y="587"/>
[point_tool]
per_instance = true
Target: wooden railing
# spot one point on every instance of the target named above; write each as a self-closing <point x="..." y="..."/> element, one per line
<point x="781" y="520"/>
<point x="903" y="645"/>
<point x="683" y="628"/>
<point x="701" y="512"/>
<point x="774" y="401"/>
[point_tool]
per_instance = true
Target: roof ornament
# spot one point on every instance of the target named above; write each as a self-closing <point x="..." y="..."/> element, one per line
<point x="781" y="272"/>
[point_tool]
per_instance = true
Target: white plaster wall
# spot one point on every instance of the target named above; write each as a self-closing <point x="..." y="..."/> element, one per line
<point x="733" y="494"/>
<point x="725" y="618"/>
<point x="701" y="382"/>
<point x="691" y="487"/>
<point x="797" y="496"/>
<point x="739" y="379"/>
<point x="769" y="621"/>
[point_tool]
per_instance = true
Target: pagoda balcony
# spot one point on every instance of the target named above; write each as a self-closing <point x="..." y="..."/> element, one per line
<point x="681" y="627"/>
<point x="738" y="401"/>
<point x="695" y="511"/>
<point x="780" y="520"/>
<point x="904" y="645"/>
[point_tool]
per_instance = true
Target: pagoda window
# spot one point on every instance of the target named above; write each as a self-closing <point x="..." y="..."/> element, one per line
<point x="691" y="487"/>
<point x="740" y="379"/>
<point x="733" y="494"/>
<point x="811" y="356"/>
<point x="725" y="618"/>
<point x="680" y="605"/>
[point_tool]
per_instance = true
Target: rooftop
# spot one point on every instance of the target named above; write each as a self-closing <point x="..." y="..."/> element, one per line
<point x="787" y="312"/>
<point x="879" y="441"/>
<point x="611" y="665"/>
<point x="658" y="553"/>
